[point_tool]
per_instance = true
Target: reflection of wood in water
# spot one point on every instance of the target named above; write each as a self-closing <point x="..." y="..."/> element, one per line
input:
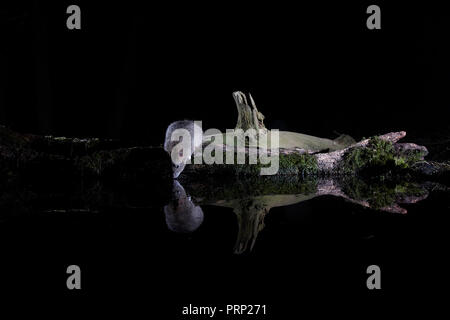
<point x="251" y="210"/>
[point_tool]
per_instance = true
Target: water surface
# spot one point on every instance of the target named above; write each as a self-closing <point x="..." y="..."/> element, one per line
<point x="225" y="241"/>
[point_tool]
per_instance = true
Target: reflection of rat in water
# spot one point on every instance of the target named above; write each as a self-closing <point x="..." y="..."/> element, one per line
<point x="188" y="125"/>
<point x="182" y="215"/>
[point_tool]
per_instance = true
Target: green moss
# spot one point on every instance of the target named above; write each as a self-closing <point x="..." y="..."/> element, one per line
<point x="377" y="153"/>
<point x="237" y="187"/>
<point x="289" y="164"/>
<point x="380" y="194"/>
<point x="380" y="156"/>
<point x="298" y="164"/>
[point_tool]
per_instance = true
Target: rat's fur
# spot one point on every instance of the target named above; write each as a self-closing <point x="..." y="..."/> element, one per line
<point x="169" y="144"/>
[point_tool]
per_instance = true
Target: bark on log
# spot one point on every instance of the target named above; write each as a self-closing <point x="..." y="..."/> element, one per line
<point x="248" y="116"/>
<point x="382" y="152"/>
<point x="300" y="154"/>
<point x="329" y="163"/>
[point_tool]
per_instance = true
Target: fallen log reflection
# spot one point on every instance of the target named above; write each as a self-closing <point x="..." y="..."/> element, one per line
<point x="251" y="200"/>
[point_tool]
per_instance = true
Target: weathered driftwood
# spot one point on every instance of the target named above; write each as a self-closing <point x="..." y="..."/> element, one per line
<point x="248" y="116"/>
<point x="379" y="152"/>
<point x="306" y="155"/>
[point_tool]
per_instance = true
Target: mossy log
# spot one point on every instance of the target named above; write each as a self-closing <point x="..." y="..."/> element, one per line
<point x="306" y="155"/>
<point x="35" y="156"/>
<point x="43" y="157"/>
<point x="380" y="155"/>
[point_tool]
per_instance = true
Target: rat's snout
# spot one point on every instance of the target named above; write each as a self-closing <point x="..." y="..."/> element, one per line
<point x="177" y="169"/>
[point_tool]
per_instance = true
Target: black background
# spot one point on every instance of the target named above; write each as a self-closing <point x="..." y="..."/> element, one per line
<point x="134" y="68"/>
<point x="312" y="68"/>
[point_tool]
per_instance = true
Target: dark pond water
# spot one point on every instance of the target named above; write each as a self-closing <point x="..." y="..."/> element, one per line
<point x="289" y="244"/>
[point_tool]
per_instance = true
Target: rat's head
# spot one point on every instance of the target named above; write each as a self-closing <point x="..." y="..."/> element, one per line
<point x="177" y="158"/>
<point x="182" y="215"/>
<point x="180" y="143"/>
